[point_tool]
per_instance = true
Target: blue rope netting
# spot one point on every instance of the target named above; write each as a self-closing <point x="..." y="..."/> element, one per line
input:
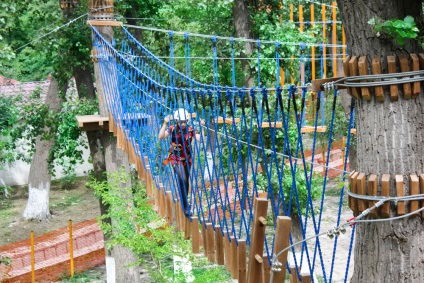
<point x="251" y="142"/>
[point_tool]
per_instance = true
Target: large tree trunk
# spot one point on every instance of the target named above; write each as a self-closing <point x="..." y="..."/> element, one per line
<point x="39" y="179"/>
<point x="243" y="29"/>
<point x="126" y="269"/>
<point x="390" y="138"/>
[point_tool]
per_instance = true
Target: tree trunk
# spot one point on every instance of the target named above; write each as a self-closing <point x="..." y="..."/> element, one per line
<point x="390" y="138"/>
<point x="39" y="179"/>
<point x="126" y="269"/>
<point x="85" y="86"/>
<point x="243" y="27"/>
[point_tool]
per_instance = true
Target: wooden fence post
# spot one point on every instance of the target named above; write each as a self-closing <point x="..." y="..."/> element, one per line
<point x="219" y="240"/>
<point x="282" y="234"/>
<point x="257" y="240"/>
<point x="195" y="235"/>
<point x="241" y="254"/>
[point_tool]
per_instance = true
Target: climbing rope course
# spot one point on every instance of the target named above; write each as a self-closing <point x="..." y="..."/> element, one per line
<point x="251" y="147"/>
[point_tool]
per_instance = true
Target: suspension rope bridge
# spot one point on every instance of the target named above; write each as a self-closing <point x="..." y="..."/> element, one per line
<point x="251" y="149"/>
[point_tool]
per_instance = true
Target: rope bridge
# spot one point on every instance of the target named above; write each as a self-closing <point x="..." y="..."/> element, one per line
<point x="252" y="164"/>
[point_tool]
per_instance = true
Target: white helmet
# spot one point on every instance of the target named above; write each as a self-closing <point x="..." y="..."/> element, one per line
<point x="181" y="115"/>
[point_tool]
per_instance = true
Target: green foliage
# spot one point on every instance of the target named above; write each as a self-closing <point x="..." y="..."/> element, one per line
<point x="399" y="30"/>
<point x="84" y="277"/>
<point x="131" y="212"/>
<point x="287" y="186"/>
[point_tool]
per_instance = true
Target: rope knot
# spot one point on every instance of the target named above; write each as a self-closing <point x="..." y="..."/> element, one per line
<point x="253" y="92"/>
<point x="171" y="34"/>
<point x="264" y="93"/>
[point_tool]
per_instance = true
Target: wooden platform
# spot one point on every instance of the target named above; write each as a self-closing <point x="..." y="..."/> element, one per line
<point x="93" y="123"/>
<point x="104" y="23"/>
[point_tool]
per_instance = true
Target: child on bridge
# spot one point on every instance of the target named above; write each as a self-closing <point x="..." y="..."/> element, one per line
<point x="180" y="151"/>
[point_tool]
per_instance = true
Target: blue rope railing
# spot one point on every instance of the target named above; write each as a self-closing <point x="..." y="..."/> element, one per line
<point x="236" y="154"/>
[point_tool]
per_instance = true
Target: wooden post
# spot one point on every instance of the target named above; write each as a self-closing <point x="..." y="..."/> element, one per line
<point x="400" y="193"/>
<point x="312" y="10"/>
<point x="210" y="242"/>
<point x="195" y="235"/>
<point x="266" y="269"/>
<point x="219" y="240"/>
<point x="234" y="258"/>
<point x="372" y="191"/>
<point x="178" y="215"/>
<point x="148" y="179"/>
<point x="227" y="250"/>
<point x="205" y="240"/>
<point x="306" y="278"/>
<point x="413" y="190"/>
<point x="422" y="192"/>
<point x="361" y="190"/>
<point x="241" y="259"/>
<point x="293" y="276"/>
<point x="169" y="208"/>
<point x="282" y="234"/>
<point x="156" y="195"/>
<point x="161" y="196"/>
<point x="334" y="35"/>
<point x="354" y="201"/>
<point x="324" y="36"/>
<point x="71" y="248"/>
<point x="391" y="65"/>
<point x="187" y="228"/>
<point x="385" y="191"/>
<point x="31" y="235"/>
<point x="258" y="234"/>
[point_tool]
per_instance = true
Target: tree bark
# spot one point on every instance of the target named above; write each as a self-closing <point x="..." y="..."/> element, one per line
<point x="390" y="136"/>
<point x="243" y="29"/>
<point x="39" y="178"/>
<point x="115" y="159"/>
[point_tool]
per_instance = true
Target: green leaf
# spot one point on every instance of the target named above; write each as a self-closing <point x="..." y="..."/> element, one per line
<point x="409" y="19"/>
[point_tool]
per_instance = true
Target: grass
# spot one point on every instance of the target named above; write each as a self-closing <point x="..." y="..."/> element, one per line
<point x="84" y="277"/>
<point x="68" y="200"/>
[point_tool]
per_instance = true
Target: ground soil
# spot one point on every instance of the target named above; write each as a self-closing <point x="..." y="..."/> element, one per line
<point x="75" y="201"/>
<point x="68" y="200"/>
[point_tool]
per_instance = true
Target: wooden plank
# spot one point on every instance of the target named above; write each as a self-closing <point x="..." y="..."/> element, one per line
<point x="294" y="274"/>
<point x="311" y="129"/>
<point x="187" y="228"/>
<point x="306" y="278"/>
<point x="92" y="123"/>
<point x="414" y="190"/>
<point x="353" y="131"/>
<point x="346" y="66"/>
<point x="266" y="269"/>
<point x="422" y="192"/>
<point x="404" y="67"/>
<point x="227" y="251"/>
<point x="195" y="239"/>
<point x="394" y="90"/>
<point x="385" y="191"/>
<point x="400" y="193"/>
<point x="257" y="244"/>
<point x="241" y="254"/>
<point x="317" y="85"/>
<point x="415" y="63"/>
<point x="349" y="198"/>
<point x="353" y="71"/>
<point x="219" y="240"/>
<point x="228" y="121"/>
<point x="372" y="191"/>
<point x="210" y="242"/>
<point x="354" y="202"/>
<point x="277" y="125"/>
<point x="205" y="240"/>
<point x="104" y="23"/>
<point x="282" y="236"/>
<point x="361" y="190"/>
<point x="234" y="258"/>
<point x="363" y="71"/>
<point x="376" y="70"/>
